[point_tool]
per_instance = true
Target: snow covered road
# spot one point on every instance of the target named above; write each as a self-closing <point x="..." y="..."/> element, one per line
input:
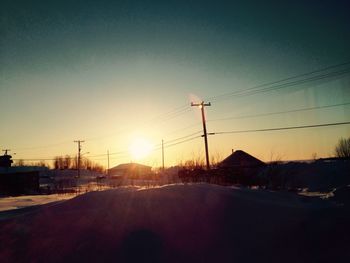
<point x="179" y="223"/>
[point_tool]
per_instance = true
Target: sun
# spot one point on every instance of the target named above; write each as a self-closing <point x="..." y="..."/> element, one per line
<point x="140" y="148"/>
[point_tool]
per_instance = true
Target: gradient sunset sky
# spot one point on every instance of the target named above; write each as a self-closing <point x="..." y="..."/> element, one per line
<point x="109" y="72"/>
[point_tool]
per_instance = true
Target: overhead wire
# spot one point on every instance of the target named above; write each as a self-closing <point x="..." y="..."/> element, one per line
<point x="283" y="128"/>
<point x="279" y="112"/>
<point x="181" y="138"/>
<point x="281" y="82"/>
<point x="178" y="111"/>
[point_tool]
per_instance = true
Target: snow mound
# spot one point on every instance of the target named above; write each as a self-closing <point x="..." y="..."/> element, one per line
<point x="178" y="223"/>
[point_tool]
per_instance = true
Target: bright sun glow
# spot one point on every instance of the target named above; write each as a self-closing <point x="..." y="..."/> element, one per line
<point x="140" y="148"/>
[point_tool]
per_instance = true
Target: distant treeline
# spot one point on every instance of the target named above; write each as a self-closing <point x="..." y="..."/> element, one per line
<point x="68" y="162"/>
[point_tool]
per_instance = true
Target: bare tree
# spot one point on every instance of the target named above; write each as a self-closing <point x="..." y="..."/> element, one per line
<point x="215" y="159"/>
<point x="75" y="163"/>
<point x="67" y="161"/>
<point x="55" y="163"/>
<point x="19" y="162"/>
<point x="59" y="162"/>
<point x="87" y="164"/>
<point x="342" y="149"/>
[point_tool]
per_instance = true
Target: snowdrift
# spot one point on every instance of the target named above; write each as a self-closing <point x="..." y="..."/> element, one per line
<point x="179" y="223"/>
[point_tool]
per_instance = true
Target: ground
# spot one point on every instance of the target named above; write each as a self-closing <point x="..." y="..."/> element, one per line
<point x="179" y="223"/>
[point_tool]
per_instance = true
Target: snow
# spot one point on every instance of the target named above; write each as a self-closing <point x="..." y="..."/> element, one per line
<point x="179" y="223"/>
<point x="9" y="203"/>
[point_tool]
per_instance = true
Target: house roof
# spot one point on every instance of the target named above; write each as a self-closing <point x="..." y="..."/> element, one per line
<point x="127" y="166"/>
<point x="240" y="158"/>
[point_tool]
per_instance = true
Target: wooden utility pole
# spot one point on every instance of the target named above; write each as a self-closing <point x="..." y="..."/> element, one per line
<point x="108" y="162"/>
<point x="163" y="154"/>
<point x="6" y="150"/>
<point x="205" y="135"/>
<point x="79" y="150"/>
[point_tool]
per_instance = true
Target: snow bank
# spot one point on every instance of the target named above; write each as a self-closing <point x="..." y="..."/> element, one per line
<point x="10" y="203"/>
<point x="179" y="223"/>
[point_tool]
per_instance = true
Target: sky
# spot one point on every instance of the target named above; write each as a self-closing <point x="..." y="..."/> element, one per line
<point x="120" y="73"/>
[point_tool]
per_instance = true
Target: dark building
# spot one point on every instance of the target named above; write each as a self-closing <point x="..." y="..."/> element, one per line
<point x="242" y="168"/>
<point x="241" y="159"/>
<point x="14" y="182"/>
<point x="5" y="161"/>
<point x="19" y="183"/>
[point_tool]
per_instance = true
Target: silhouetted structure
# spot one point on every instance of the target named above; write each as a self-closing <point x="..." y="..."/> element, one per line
<point x="132" y="170"/>
<point x="5" y="161"/>
<point x="241" y="159"/>
<point x="322" y="175"/>
<point x="241" y="168"/>
<point x="19" y="183"/>
<point x="238" y="168"/>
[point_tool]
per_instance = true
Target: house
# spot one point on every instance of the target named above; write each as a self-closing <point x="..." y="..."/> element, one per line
<point x="242" y="168"/>
<point x="5" y="161"/>
<point x="241" y="159"/>
<point x="18" y="183"/>
<point x="130" y="170"/>
<point x="19" y="180"/>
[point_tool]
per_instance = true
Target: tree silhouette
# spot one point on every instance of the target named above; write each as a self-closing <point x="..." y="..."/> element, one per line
<point x="342" y="149"/>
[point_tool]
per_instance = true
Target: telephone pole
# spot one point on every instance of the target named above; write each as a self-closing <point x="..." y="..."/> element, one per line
<point x="6" y="150"/>
<point x="205" y="135"/>
<point x="79" y="150"/>
<point x="107" y="162"/>
<point x="163" y="154"/>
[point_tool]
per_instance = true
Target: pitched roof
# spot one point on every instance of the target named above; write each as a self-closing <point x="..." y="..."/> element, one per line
<point x="240" y="158"/>
<point x="126" y="166"/>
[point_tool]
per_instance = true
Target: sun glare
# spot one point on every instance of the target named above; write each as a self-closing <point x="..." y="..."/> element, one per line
<point x="140" y="148"/>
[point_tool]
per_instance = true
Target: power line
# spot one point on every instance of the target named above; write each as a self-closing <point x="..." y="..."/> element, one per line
<point x="254" y="89"/>
<point x="286" y="85"/>
<point x="303" y="81"/>
<point x="176" y="112"/>
<point x="177" y="143"/>
<point x="180" y="138"/>
<point x="185" y="128"/>
<point x="166" y="142"/>
<point x="284" y="128"/>
<point x="171" y="112"/>
<point x="121" y="154"/>
<point x="42" y="147"/>
<point x="103" y="154"/>
<point x="170" y="115"/>
<point x="280" y="112"/>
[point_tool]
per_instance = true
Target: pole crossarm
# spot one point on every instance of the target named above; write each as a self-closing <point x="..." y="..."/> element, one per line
<point x="200" y="104"/>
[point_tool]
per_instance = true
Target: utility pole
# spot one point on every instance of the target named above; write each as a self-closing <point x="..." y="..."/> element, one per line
<point x="79" y="150"/>
<point x="6" y="150"/>
<point x="205" y="135"/>
<point x="163" y="154"/>
<point x="107" y="162"/>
